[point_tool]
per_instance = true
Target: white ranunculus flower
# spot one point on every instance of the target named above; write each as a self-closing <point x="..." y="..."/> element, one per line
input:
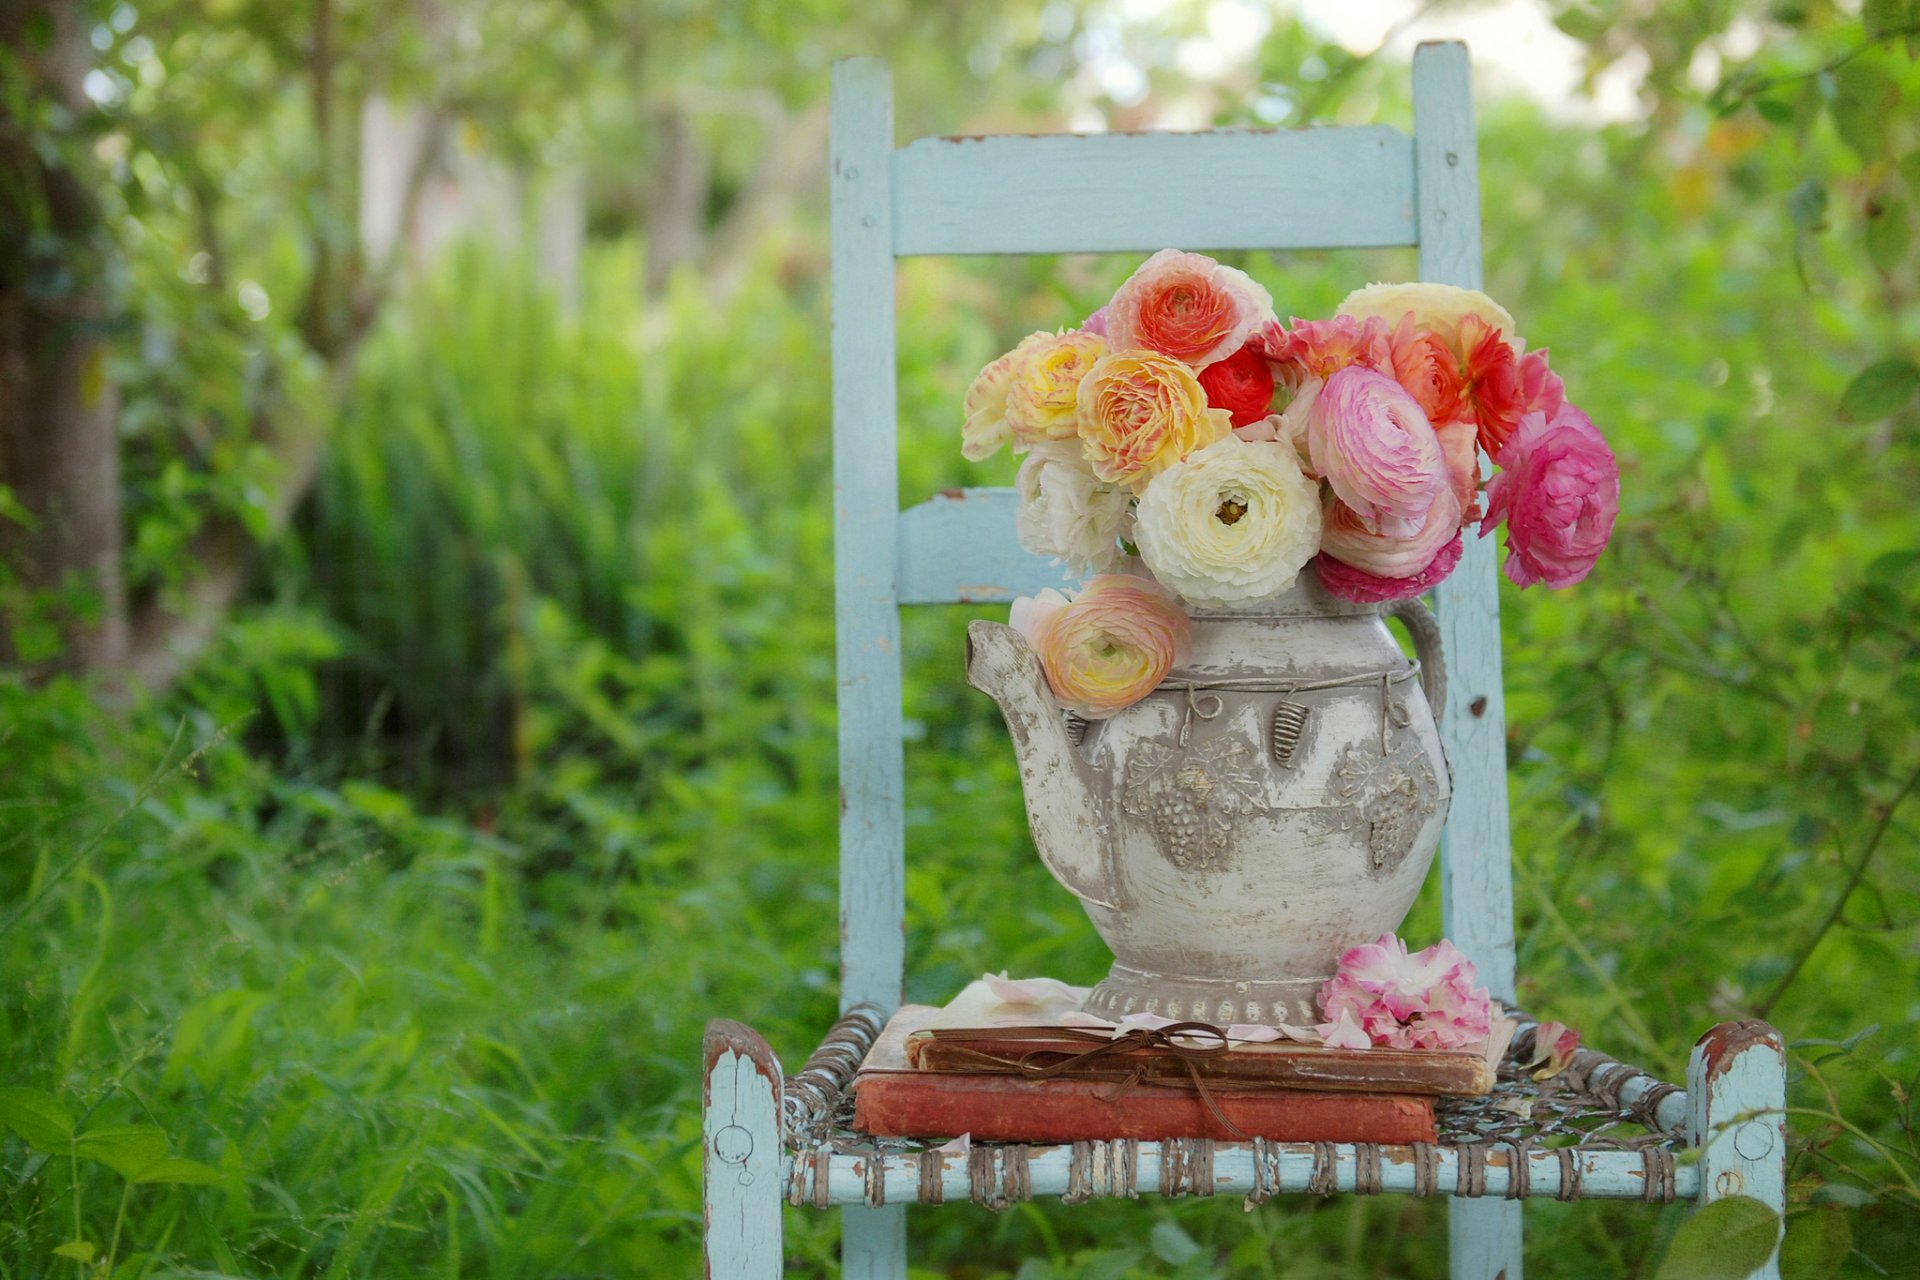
<point x="1232" y="524"/>
<point x="1436" y="307"/>
<point x="1066" y="512"/>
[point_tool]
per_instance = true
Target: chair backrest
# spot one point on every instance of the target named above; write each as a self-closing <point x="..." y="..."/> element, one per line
<point x="1293" y="189"/>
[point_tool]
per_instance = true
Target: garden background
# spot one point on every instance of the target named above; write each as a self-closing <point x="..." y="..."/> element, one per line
<point x="416" y="710"/>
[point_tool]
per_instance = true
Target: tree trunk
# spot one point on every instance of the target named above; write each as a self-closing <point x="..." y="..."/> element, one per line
<point x="59" y="453"/>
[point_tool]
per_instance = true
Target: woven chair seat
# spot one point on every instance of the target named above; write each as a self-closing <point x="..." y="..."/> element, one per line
<point x="1600" y="1129"/>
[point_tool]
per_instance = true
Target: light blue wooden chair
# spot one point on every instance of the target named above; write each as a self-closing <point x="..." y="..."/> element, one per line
<point x="770" y="1141"/>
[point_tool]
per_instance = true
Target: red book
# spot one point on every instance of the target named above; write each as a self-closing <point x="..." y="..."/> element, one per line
<point x="892" y="1099"/>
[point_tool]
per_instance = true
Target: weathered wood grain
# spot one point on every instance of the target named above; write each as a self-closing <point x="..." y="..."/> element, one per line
<point x="1116" y="192"/>
<point x="1476" y="890"/>
<point x="742" y="1155"/>
<point x="866" y="516"/>
<point x="1736" y="1100"/>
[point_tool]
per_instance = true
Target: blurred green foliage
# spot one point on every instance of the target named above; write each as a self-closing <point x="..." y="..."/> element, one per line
<point x="402" y="914"/>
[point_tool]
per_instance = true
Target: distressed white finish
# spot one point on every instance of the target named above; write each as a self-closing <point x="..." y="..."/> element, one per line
<point x="1616" y="1175"/>
<point x="1179" y="804"/>
<point x="1736" y="1115"/>
<point x="1476" y="886"/>
<point x="960" y="547"/>
<point x="866" y="509"/>
<point x="1120" y="192"/>
<point x="743" y="1157"/>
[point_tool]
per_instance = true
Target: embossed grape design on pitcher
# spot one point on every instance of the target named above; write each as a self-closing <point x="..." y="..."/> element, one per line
<point x="1277" y="799"/>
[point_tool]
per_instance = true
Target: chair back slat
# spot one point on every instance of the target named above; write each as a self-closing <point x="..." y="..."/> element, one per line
<point x="866" y="487"/>
<point x="959" y="547"/>
<point x="1476" y="887"/>
<point x="1138" y="192"/>
<point x="1298" y="189"/>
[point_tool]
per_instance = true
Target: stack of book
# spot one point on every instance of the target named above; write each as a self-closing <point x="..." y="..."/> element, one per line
<point x="1040" y="1081"/>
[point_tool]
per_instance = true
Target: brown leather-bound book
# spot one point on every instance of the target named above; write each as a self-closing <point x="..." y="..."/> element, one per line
<point x="1463" y="1073"/>
<point x="894" y="1099"/>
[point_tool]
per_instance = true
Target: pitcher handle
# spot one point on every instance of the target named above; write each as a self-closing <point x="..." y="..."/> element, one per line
<point x="1425" y="630"/>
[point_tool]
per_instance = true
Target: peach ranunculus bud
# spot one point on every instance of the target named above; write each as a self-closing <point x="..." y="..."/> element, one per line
<point x="987" y="427"/>
<point x="1368" y="438"/>
<point x="1141" y="412"/>
<point x="1109" y="646"/>
<point x="1042" y="402"/>
<point x="1187" y="306"/>
<point x="1437" y="308"/>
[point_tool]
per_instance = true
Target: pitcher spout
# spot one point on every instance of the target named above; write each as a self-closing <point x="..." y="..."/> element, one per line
<point x="1064" y="807"/>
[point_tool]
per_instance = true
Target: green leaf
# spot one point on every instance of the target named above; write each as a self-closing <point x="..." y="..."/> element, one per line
<point x="1807" y="206"/>
<point x="1727" y="1240"/>
<point x="80" y="1251"/>
<point x="179" y="1169"/>
<point x="1817" y="1242"/>
<point x="38" y="1117"/>
<point x="1844" y="1195"/>
<point x="1883" y="17"/>
<point x="1880" y="389"/>
<point x="125" y="1148"/>
<point x="1888" y="234"/>
<point x="1171" y="1242"/>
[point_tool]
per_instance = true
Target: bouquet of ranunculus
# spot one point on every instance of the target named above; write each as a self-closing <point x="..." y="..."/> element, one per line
<point x="1182" y="423"/>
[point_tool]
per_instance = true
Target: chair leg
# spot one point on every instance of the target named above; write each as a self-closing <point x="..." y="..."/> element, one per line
<point x="1483" y="1239"/>
<point x="873" y="1243"/>
<point x="742" y="1148"/>
<point x="1736" y="1116"/>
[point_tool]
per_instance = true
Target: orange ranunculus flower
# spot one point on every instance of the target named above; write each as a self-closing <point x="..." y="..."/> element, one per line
<point x="1187" y="306"/>
<point x="1109" y="646"/>
<point x="1141" y="412"/>
<point x="1043" y="399"/>
<point x="1429" y="371"/>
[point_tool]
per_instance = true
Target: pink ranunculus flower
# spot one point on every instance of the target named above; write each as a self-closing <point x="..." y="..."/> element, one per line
<point x="1107" y="647"/>
<point x="1344" y="582"/>
<point x="1426" y="1000"/>
<point x="1187" y="306"/>
<point x="1558" y="490"/>
<point x="1369" y="439"/>
<point x="1541" y="390"/>
<point x="1347" y="539"/>
<point x="1321" y="348"/>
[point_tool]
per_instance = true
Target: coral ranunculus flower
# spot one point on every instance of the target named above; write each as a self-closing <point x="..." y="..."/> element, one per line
<point x="1042" y="402"/>
<point x="1109" y="646"/>
<point x="1558" y="490"/>
<point x="1437" y="308"/>
<point x="1231" y="525"/>
<point x="1242" y="384"/>
<point x="1369" y="439"/>
<point x="1494" y="388"/>
<point x="1187" y="306"/>
<point x="1141" y="412"/>
<point x="1321" y="348"/>
<point x="1429" y="371"/>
